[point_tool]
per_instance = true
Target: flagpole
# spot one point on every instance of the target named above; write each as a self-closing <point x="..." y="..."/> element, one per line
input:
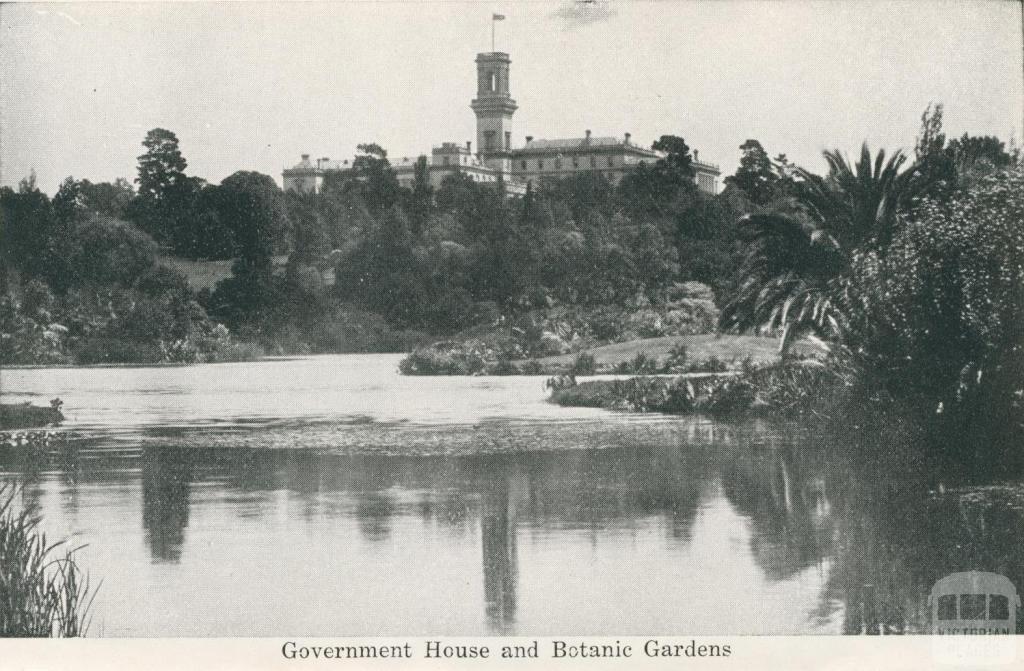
<point x="492" y="34"/>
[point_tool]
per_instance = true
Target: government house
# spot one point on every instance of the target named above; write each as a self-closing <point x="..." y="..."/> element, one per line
<point x="496" y="160"/>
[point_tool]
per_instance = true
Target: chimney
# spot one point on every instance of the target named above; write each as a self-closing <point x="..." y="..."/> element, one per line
<point x="696" y="155"/>
<point x="529" y="139"/>
<point x="588" y="135"/>
<point x="305" y="157"/>
<point x="469" y="146"/>
<point x="628" y="135"/>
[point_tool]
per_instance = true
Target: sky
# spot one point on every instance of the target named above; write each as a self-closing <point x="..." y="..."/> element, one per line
<point x="251" y="86"/>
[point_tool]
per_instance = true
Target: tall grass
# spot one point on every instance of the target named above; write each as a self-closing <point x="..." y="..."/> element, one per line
<point x="41" y="593"/>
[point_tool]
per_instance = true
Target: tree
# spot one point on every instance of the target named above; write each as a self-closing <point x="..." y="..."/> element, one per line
<point x="756" y="175"/>
<point x="106" y="252"/>
<point x="858" y="203"/>
<point x="422" y="200"/>
<point x="934" y="164"/>
<point x="973" y="151"/>
<point x="677" y="162"/>
<point x="383" y="273"/>
<point x="162" y="167"/>
<point x="251" y="206"/>
<point x="110" y="199"/>
<point x="28" y="229"/>
<point x="374" y="178"/>
<point x="475" y="207"/>
<point x="166" y="194"/>
<point x="76" y="200"/>
<point x="794" y="271"/>
<point x="203" y="233"/>
<point x="656" y="262"/>
<point x="654" y="189"/>
<point x="69" y="203"/>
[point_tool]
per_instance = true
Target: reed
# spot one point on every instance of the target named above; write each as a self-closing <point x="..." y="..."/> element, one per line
<point x="42" y="593"/>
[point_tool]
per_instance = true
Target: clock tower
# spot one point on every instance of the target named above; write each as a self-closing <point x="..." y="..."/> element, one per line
<point x="494" y="108"/>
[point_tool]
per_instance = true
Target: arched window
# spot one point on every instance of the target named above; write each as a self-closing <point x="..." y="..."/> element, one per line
<point x="492" y="81"/>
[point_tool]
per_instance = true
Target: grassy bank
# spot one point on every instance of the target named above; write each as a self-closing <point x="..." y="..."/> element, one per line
<point x="42" y="593"/>
<point x="664" y="355"/>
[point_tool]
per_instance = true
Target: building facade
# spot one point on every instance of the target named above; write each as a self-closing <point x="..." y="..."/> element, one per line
<point x="496" y="160"/>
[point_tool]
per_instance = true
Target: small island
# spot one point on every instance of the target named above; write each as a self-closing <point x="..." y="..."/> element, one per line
<point x="27" y="416"/>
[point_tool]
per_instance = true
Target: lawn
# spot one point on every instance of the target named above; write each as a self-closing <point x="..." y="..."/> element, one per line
<point x="206" y="274"/>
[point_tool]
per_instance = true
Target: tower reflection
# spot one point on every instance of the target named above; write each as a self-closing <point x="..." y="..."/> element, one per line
<point x="500" y="555"/>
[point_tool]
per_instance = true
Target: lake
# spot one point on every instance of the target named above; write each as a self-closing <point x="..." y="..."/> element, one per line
<point x="330" y="496"/>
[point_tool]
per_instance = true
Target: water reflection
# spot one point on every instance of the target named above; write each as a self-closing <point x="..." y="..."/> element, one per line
<point x="166" y="484"/>
<point x="500" y="560"/>
<point x="794" y="536"/>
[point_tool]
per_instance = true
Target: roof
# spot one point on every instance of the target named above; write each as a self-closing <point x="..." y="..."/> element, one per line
<point x="308" y="166"/>
<point x="581" y="144"/>
<point x="974" y="581"/>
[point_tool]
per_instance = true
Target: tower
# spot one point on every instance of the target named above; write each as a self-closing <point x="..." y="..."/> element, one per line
<point x="494" y="108"/>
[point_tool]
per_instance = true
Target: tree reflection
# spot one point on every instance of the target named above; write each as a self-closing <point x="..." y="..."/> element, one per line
<point x="374" y="510"/>
<point x="784" y="494"/>
<point x="500" y="556"/>
<point x="166" y="478"/>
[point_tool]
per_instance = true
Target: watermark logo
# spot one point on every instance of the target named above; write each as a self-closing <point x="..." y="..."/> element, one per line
<point x="974" y="615"/>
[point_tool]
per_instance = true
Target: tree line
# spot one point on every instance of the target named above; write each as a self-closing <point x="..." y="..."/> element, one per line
<point x="906" y="265"/>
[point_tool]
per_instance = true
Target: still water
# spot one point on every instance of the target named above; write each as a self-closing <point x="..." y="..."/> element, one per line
<point x="331" y="496"/>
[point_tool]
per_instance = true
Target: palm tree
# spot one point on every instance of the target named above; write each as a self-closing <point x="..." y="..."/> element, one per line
<point x="794" y="272"/>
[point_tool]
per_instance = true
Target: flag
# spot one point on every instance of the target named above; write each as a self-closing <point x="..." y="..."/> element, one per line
<point x="498" y="17"/>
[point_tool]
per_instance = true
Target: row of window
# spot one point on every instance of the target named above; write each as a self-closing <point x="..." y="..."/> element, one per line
<point x="406" y="182"/>
<point x="972" y="607"/>
<point x="575" y="163"/>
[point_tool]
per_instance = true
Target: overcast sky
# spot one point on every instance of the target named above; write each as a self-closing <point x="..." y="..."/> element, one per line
<point x="251" y="86"/>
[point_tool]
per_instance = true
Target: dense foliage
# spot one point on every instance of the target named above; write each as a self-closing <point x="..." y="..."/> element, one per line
<point x="915" y="276"/>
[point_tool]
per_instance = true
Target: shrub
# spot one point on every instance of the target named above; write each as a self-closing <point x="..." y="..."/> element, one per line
<point x="503" y="367"/>
<point x="584" y="364"/>
<point x="637" y="394"/>
<point x="937" y="318"/>
<point x="531" y="367"/>
<point x="676" y="360"/>
<point x="24" y="340"/>
<point x="641" y="364"/>
<point x="805" y="390"/>
<point x="443" y="359"/>
<point x="105" y="252"/>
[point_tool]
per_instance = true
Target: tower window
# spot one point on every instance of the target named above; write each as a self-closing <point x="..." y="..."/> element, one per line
<point x="492" y="81"/>
<point x="575" y="162"/>
<point x="489" y="140"/>
<point x="508" y="140"/>
<point x="593" y="161"/>
<point x="611" y="163"/>
<point x="524" y="165"/>
<point x="540" y="164"/>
